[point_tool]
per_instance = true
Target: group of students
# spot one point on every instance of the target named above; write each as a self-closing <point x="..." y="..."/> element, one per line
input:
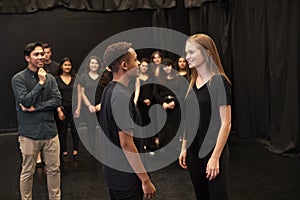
<point x="160" y="81"/>
<point x="204" y="147"/>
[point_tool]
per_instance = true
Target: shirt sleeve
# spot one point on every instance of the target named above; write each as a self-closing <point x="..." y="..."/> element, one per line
<point x="221" y="91"/>
<point x="121" y="109"/>
<point x="54" y="97"/>
<point x="22" y="94"/>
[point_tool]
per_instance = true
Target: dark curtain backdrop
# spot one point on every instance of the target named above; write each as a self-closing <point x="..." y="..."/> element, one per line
<point x="213" y="18"/>
<point x="266" y="71"/>
<point x="29" y="6"/>
<point x="258" y="41"/>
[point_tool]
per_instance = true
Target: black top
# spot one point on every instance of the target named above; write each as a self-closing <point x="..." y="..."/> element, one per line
<point x="210" y="97"/>
<point x="52" y="68"/>
<point x="66" y="91"/>
<point x="91" y="88"/>
<point x="169" y="90"/>
<point x="45" y="99"/>
<point x="106" y="77"/>
<point x="114" y="117"/>
<point x="146" y="90"/>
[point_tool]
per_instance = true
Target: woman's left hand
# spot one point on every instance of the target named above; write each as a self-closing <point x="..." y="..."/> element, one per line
<point x="212" y="168"/>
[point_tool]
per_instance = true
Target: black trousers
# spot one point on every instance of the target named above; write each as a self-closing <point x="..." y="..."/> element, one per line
<point x="91" y="122"/>
<point x="63" y="130"/>
<point x="126" y="195"/>
<point x="216" y="189"/>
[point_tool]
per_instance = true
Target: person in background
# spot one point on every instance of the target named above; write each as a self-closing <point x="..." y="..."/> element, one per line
<point x="207" y="156"/>
<point x="37" y="97"/>
<point x="50" y="65"/>
<point x="65" y="79"/>
<point x="168" y="93"/>
<point x="143" y="100"/>
<point x="183" y="68"/>
<point x="155" y="60"/>
<point x="89" y="85"/>
<point x="106" y="77"/>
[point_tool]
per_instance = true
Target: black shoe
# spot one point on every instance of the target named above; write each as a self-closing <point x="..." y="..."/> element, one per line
<point x="76" y="157"/>
<point x="39" y="165"/>
<point x="66" y="159"/>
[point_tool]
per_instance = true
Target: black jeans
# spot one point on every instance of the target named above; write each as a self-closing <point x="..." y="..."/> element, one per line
<point x="126" y="195"/>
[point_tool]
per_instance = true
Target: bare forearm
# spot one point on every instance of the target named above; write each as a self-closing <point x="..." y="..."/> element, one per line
<point x="132" y="155"/>
<point x="221" y="140"/>
<point x="225" y="115"/>
<point x="79" y="97"/>
<point x="135" y="161"/>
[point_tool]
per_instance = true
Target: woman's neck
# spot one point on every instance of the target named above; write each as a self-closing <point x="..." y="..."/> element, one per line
<point x="143" y="76"/>
<point x="65" y="74"/>
<point x="182" y="72"/>
<point x="93" y="75"/>
<point x="203" y="72"/>
<point x="93" y="72"/>
<point x="203" y="76"/>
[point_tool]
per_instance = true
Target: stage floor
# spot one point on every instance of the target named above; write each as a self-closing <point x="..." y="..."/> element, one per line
<point x="255" y="174"/>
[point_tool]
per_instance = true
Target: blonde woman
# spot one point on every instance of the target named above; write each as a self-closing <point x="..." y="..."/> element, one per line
<point x="207" y="155"/>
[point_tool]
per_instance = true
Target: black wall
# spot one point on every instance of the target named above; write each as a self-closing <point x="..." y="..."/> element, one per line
<point x="71" y="33"/>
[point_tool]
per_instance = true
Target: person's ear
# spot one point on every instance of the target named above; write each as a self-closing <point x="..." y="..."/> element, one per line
<point x="27" y="58"/>
<point x="124" y="65"/>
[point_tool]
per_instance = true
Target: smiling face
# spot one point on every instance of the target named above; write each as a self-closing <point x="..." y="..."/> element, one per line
<point x="194" y="56"/>
<point x="36" y="59"/>
<point x="94" y="65"/>
<point x="67" y="67"/>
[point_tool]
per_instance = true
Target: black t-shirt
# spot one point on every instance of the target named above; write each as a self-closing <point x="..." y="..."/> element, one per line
<point x="52" y="68"/>
<point x="114" y="117"/>
<point x="210" y="97"/>
<point x="91" y="88"/>
<point x="66" y="91"/>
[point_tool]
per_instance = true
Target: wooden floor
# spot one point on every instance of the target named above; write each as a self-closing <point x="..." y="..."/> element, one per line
<point x="255" y="174"/>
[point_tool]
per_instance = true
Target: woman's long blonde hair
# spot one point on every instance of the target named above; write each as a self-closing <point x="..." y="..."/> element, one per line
<point x="209" y="49"/>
